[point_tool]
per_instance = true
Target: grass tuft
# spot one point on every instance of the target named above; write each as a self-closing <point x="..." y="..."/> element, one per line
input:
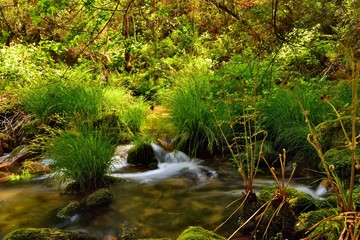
<point x="83" y="157"/>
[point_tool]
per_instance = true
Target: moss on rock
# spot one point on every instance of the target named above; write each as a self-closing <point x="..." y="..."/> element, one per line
<point x="299" y="201"/>
<point x="100" y="197"/>
<point x="46" y="234"/>
<point x="280" y="216"/>
<point x="199" y="233"/>
<point x="143" y="155"/>
<point x="309" y="219"/>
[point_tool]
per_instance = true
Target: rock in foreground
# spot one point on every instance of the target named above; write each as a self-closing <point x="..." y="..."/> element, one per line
<point x="46" y="234"/>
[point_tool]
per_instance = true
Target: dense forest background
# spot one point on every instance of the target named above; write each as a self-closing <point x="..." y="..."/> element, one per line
<point x="238" y="78"/>
<point x="235" y="56"/>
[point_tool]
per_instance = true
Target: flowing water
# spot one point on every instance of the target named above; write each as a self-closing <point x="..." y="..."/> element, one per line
<point x="158" y="203"/>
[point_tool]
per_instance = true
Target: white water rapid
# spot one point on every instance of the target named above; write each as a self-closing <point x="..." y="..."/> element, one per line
<point x="170" y="164"/>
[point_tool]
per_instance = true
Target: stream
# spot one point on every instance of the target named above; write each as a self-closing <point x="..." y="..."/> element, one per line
<point x="159" y="203"/>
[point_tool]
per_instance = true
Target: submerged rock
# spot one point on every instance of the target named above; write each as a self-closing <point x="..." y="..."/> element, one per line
<point x="100" y="197"/>
<point x="127" y="231"/>
<point x="46" y="234"/>
<point x="199" y="233"/>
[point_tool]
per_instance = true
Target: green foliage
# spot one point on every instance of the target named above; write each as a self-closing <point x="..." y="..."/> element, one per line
<point x="83" y="157"/>
<point x="24" y="175"/>
<point x="22" y="66"/>
<point x="132" y="111"/>
<point x="111" y="127"/>
<point x="307" y="52"/>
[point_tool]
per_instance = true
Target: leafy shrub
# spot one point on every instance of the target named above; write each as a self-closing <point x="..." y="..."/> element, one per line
<point x="83" y="157"/>
<point x="22" y="65"/>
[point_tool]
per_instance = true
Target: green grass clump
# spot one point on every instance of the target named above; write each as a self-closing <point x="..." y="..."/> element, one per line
<point x="66" y="100"/>
<point x="83" y="157"/>
<point x="285" y="123"/>
<point x="192" y="114"/>
<point x="132" y="111"/>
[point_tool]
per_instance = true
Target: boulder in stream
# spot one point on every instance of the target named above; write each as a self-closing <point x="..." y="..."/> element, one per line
<point x="309" y="219"/>
<point x="142" y="155"/>
<point x="46" y="234"/>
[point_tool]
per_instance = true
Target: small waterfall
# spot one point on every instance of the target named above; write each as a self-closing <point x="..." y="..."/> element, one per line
<point x="317" y="193"/>
<point x="171" y="164"/>
<point x="321" y="190"/>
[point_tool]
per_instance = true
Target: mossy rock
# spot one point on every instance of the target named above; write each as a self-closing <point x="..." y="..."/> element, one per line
<point x="100" y="197"/>
<point x="277" y="220"/>
<point x="199" y="233"/>
<point x="341" y="159"/>
<point x="142" y="155"/>
<point x="69" y="210"/>
<point x="34" y="167"/>
<point x="309" y="219"/>
<point x="281" y="221"/>
<point x="299" y="201"/>
<point x="74" y="188"/>
<point x="46" y="234"/>
<point x="331" y="133"/>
